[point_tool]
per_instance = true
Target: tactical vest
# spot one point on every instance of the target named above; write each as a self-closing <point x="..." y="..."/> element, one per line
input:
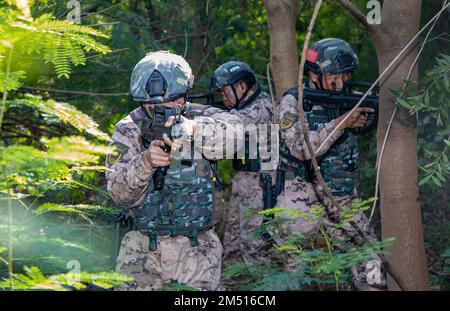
<point x="185" y="206"/>
<point x="337" y="165"/>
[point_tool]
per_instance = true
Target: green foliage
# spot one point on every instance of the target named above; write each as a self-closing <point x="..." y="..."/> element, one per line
<point x="174" y="286"/>
<point x="56" y="112"/>
<point x="87" y="212"/>
<point x="226" y="172"/>
<point x="12" y="81"/>
<point x="431" y="99"/>
<point x="446" y="256"/>
<point x="298" y="262"/>
<point x="264" y="278"/>
<point x="29" y="171"/>
<point x="60" y="42"/>
<point x="45" y="176"/>
<point x="34" y="279"/>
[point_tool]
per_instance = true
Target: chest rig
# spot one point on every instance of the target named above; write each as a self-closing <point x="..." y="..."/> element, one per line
<point x="337" y="166"/>
<point x="185" y="206"/>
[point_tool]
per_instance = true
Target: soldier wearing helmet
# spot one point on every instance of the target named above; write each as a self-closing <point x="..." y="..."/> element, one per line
<point x="329" y="66"/>
<point x="174" y="239"/>
<point x="236" y="84"/>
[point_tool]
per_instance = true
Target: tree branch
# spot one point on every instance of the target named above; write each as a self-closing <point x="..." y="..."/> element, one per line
<point x="73" y="92"/>
<point x="301" y="111"/>
<point x="353" y="10"/>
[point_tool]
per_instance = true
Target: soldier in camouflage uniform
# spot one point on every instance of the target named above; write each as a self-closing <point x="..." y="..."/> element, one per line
<point x="236" y="84"/>
<point x="175" y="241"/>
<point x="329" y="64"/>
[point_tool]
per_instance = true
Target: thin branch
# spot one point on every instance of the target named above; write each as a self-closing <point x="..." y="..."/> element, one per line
<point x="203" y="61"/>
<point x="185" y="43"/>
<point x="104" y="10"/>
<point x="112" y="52"/>
<point x="102" y="24"/>
<point x="353" y="10"/>
<point x="300" y="110"/>
<point x="73" y="92"/>
<point x="272" y="98"/>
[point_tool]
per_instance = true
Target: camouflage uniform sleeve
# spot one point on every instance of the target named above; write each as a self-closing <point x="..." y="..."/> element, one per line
<point x="128" y="176"/>
<point x="291" y="131"/>
<point x="232" y="123"/>
<point x="257" y="112"/>
<point x="220" y="133"/>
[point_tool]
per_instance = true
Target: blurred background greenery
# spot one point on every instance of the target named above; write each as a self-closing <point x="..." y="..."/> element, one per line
<point x="207" y="33"/>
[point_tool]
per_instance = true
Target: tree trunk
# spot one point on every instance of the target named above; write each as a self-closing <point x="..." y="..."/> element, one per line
<point x="281" y="19"/>
<point x="399" y="193"/>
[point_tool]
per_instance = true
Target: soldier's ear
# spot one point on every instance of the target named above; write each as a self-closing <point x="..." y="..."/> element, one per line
<point x="244" y="85"/>
<point x="314" y="77"/>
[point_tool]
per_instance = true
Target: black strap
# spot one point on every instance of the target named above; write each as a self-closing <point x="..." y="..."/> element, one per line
<point x="244" y="165"/>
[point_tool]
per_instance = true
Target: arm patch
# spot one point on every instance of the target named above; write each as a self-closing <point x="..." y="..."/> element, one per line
<point x="288" y="120"/>
<point x="117" y="154"/>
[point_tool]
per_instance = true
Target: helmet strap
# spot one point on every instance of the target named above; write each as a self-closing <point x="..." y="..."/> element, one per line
<point x="145" y="110"/>
<point x="255" y="94"/>
<point x="235" y="96"/>
<point x="239" y="100"/>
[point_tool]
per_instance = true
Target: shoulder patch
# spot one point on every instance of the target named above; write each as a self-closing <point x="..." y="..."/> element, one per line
<point x="288" y="120"/>
<point x="117" y="154"/>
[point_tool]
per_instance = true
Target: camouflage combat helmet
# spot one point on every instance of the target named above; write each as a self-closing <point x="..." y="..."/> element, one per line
<point x="161" y="77"/>
<point x="231" y="72"/>
<point x="331" y="56"/>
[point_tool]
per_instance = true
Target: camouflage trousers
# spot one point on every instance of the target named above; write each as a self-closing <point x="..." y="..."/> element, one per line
<point x="239" y="241"/>
<point x="174" y="260"/>
<point x="304" y="196"/>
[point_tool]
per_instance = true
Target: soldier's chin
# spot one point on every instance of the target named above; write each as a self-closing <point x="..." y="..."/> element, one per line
<point x="228" y="105"/>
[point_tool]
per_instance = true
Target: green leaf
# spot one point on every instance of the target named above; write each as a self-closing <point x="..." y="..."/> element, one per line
<point x="403" y="103"/>
<point x="63" y="111"/>
<point x="440" y="176"/>
<point x="446" y="253"/>
<point x="396" y="93"/>
<point x="424" y="180"/>
<point x="427" y="99"/>
<point x="436" y="181"/>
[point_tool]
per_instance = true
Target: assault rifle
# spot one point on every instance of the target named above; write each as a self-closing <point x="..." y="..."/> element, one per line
<point x="338" y="103"/>
<point x="208" y="100"/>
<point x="160" y="116"/>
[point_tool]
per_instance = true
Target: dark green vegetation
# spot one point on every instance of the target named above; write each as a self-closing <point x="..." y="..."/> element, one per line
<point x="66" y="90"/>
